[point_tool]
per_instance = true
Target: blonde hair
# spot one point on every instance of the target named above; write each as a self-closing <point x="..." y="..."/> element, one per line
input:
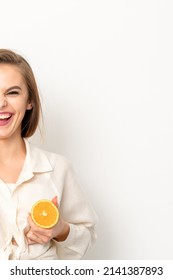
<point x="31" y="118"/>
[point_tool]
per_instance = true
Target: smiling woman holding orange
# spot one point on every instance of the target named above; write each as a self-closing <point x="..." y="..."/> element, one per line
<point x="29" y="174"/>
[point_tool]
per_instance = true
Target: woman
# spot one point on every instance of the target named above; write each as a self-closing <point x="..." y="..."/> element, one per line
<point x="28" y="174"/>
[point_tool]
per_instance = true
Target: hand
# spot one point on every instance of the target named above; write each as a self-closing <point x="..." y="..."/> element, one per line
<point x="40" y="235"/>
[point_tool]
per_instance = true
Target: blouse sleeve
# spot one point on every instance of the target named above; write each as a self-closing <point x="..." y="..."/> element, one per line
<point x="82" y="219"/>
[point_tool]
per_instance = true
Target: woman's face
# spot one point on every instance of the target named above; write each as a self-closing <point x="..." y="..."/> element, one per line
<point x="13" y="100"/>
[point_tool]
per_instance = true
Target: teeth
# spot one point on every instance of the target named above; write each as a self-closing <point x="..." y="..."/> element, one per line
<point x="4" y="116"/>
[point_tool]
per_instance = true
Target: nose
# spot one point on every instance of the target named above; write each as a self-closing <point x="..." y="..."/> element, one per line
<point x="3" y="102"/>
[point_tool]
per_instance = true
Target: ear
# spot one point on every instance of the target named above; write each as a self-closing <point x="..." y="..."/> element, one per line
<point x="29" y="106"/>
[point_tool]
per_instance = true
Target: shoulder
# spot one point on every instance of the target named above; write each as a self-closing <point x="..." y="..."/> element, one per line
<point x="57" y="161"/>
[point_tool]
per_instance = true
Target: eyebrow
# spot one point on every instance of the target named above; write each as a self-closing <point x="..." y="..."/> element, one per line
<point x="13" y="87"/>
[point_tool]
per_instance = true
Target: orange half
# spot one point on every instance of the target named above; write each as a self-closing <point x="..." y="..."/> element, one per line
<point x="44" y="213"/>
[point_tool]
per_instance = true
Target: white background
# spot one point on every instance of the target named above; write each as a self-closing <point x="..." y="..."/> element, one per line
<point x="104" y="70"/>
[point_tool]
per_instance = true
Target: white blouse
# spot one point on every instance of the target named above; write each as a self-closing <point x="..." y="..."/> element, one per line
<point x="45" y="175"/>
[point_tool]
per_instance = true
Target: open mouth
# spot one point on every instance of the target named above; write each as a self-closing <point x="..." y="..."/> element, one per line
<point x="4" y="118"/>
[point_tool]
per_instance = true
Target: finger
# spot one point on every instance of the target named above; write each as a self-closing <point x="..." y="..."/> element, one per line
<point x="55" y="201"/>
<point x="34" y="226"/>
<point x="31" y="222"/>
<point x="30" y="242"/>
<point x="26" y="229"/>
<point x="33" y="238"/>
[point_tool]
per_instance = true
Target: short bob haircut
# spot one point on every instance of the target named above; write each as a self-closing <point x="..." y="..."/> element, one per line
<point x="31" y="118"/>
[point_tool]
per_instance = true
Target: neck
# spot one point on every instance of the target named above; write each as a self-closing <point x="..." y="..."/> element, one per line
<point x="11" y="148"/>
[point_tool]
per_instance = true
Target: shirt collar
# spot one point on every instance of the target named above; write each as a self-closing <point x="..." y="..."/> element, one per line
<point x="36" y="159"/>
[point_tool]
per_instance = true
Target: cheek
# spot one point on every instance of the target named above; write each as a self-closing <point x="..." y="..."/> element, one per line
<point x="21" y="108"/>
